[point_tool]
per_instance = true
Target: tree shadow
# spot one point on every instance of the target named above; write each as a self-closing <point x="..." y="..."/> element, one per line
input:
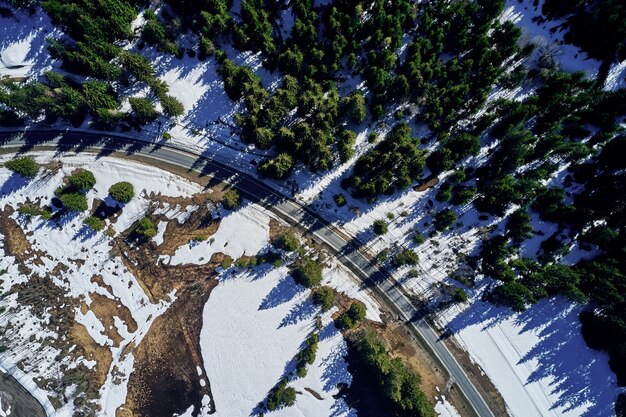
<point x="283" y="292"/>
<point x="576" y="375"/>
<point x="13" y="184"/>
<point x="302" y="311"/>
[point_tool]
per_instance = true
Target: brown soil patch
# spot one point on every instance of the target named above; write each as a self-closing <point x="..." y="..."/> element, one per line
<point x="97" y="279"/>
<point x="42" y="296"/>
<point x="15" y="241"/>
<point x="165" y="379"/>
<point x="426" y="183"/>
<point x="276" y="228"/>
<point x="314" y="393"/>
<point x="199" y="225"/>
<point x="92" y="351"/>
<point x="105" y="310"/>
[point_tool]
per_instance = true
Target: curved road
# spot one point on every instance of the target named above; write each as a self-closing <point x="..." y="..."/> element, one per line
<point x="292" y="211"/>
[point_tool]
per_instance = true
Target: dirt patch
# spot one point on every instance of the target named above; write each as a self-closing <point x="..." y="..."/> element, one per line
<point x="97" y="279"/>
<point x="92" y="351"/>
<point x="105" y="310"/>
<point x="199" y="225"/>
<point x="314" y="393"/>
<point x="15" y="241"/>
<point x="165" y="379"/>
<point x="276" y="228"/>
<point x="426" y="183"/>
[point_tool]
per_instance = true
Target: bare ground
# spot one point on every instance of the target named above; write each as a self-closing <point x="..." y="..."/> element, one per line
<point x="165" y="378"/>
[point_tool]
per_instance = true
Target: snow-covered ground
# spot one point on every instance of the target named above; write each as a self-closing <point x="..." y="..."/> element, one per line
<point x="537" y="359"/>
<point x="254" y="324"/>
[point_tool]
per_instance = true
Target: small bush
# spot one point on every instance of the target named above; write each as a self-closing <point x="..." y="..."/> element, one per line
<point x="281" y="396"/>
<point x="380" y="227"/>
<point x="307" y="355"/>
<point x="31" y="210"/>
<point x="405" y="257"/>
<point x="94" y="223"/>
<point x="122" y="192"/>
<point x="146" y="228"/>
<point x="324" y="297"/>
<point x="340" y="200"/>
<point x="308" y="272"/>
<point x="418" y="238"/>
<point x="74" y="201"/>
<point x="444" y="219"/>
<point x="25" y="166"/>
<point x="231" y="199"/>
<point x="287" y="241"/>
<point x="353" y="316"/>
<point x="444" y="193"/>
<point x="82" y="180"/>
<point x="226" y="262"/>
<point x="167" y="136"/>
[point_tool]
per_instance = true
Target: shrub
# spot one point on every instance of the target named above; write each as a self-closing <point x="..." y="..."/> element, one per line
<point x="231" y="199"/>
<point x="94" y="223"/>
<point x="444" y="193"/>
<point x="226" y="262"/>
<point x="73" y="201"/>
<point x="353" y="316"/>
<point x="324" y="297"/>
<point x="287" y="241"/>
<point x="380" y="227"/>
<point x="82" y="180"/>
<point x="146" y="228"/>
<point x="512" y="294"/>
<point x="307" y="355"/>
<point x="405" y="257"/>
<point x="281" y="396"/>
<point x="167" y="136"/>
<point x="279" y="167"/>
<point x="30" y="210"/>
<point x="418" y="238"/>
<point x="24" y="166"/>
<point x="308" y="272"/>
<point x="340" y="200"/>
<point x="444" y="219"/>
<point x="122" y="192"/>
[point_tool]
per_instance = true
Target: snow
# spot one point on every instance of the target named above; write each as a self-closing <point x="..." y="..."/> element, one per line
<point x="444" y="409"/>
<point x="23" y="47"/>
<point x="342" y="280"/>
<point x="247" y="313"/>
<point x="243" y="232"/>
<point x="537" y="359"/>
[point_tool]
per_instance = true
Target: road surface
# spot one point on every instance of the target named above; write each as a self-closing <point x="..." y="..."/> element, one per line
<point x="290" y="210"/>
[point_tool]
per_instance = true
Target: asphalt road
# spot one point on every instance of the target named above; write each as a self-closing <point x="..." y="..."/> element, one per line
<point x="288" y="209"/>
